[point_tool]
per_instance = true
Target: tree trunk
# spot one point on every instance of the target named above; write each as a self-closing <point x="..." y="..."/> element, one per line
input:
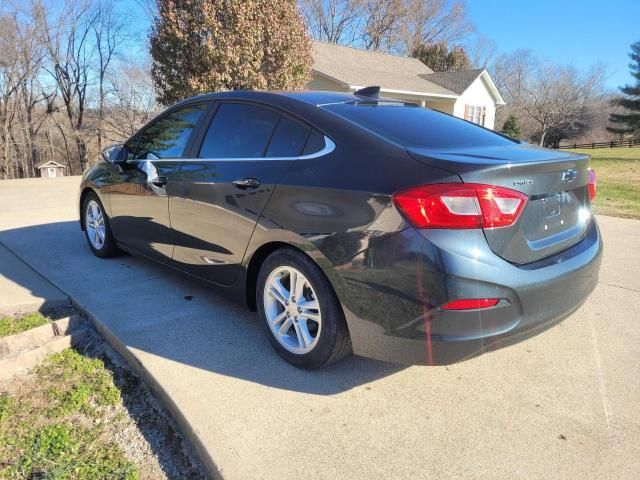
<point x="542" y="136"/>
<point x="100" y="112"/>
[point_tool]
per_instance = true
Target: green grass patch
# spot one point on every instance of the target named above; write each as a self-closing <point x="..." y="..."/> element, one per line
<point x="618" y="171"/>
<point x="55" y="426"/>
<point x="17" y="324"/>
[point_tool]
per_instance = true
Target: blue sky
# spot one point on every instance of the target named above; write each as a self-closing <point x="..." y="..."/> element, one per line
<point x="580" y="33"/>
<point x="577" y="32"/>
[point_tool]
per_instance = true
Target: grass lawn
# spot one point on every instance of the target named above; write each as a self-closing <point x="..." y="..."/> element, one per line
<point x="21" y="323"/>
<point x="618" y="174"/>
<point x="53" y="430"/>
<point x="79" y="416"/>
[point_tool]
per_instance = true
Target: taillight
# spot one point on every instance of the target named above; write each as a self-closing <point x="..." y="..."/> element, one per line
<point x="592" y="185"/>
<point x="460" y="205"/>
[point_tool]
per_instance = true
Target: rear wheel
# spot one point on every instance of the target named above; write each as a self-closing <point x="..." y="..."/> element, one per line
<point x="97" y="229"/>
<point x="300" y="311"/>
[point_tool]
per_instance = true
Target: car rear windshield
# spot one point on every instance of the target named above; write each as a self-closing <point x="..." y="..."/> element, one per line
<point x="414" y="126"/>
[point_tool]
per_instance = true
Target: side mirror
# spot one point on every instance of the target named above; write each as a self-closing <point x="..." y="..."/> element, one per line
<point x="115" y="153"/>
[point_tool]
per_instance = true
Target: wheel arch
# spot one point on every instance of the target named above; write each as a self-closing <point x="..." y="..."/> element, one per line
<point x="83" y="195"/>
<point x="253" y="268"/>
<point x="257" y="258"/>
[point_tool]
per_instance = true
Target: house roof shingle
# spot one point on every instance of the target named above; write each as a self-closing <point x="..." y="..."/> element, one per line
<point x="354" y="66"/>
<point x="457" y="82"/>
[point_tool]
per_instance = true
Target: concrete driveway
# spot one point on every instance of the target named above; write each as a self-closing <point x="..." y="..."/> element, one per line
<point x="565" y="404"/>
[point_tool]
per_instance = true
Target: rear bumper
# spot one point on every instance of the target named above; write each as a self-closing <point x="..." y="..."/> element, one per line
<point x="391" y="293"/>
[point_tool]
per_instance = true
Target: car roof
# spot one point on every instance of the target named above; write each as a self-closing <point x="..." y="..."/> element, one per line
<point x="316" y="98"/>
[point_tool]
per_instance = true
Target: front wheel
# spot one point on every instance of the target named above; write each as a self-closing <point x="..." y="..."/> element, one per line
<point x="300" y="312"/>
<point x="97" y="228"/>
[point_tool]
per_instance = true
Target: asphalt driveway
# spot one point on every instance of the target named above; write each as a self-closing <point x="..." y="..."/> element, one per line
<point x="564" y="404"/>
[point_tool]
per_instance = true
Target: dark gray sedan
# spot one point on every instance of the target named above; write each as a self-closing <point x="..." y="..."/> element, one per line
<point x="353" y="223"/>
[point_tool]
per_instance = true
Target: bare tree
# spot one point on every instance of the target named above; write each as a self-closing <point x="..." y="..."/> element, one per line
<point x="333" y="21"/>
<point x="383" y="23"/>
<point x="551" y="97"/>
<point x="132" y="101"/>
<point x="433" y="21"/>
<point x="31" y="92"/>
<point x="108" y="29"/>
<point x="397" y="26"/>
<point x="63" y="88"/>
<point x="10" y="81"/>
<point x="71" y="57"/>
<point x="481" y="50"/>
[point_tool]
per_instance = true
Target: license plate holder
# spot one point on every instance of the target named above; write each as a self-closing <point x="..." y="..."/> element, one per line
<point x="552" y="205"/>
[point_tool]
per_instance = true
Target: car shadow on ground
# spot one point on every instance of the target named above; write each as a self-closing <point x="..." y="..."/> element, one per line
<point x="153" y="309"/>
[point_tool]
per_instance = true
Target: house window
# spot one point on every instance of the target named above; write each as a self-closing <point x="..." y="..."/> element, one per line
<point x="51" y="171"/>
<point x="475" y="114"/>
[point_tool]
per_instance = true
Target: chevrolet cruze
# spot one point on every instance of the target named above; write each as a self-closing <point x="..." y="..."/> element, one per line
<point x="354" y="223"/>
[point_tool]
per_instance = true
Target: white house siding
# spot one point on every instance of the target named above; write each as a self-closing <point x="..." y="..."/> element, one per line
<point x="324" y="84"/>
<point x="477" y="95"/>
<point x="446" y="107"/>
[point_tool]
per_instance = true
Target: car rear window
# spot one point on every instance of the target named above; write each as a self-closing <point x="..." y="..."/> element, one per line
<point x="414" y="126"/>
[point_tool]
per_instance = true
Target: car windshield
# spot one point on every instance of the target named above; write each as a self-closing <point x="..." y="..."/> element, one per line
<point x="414" y="126"/>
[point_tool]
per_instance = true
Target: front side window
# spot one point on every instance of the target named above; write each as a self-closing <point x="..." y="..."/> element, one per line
<point x="239" y="130"/>
<point x="168" y="137"/>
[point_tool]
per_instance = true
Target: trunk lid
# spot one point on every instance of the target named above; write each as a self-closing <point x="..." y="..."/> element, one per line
<point x="557" y="212"/>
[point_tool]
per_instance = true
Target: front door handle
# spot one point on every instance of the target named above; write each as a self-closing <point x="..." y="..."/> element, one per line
<point x="248" y="182"/>
<point x="160" y="181"/>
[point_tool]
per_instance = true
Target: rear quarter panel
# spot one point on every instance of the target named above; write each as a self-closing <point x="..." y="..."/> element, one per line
<point x="339" y="202"/>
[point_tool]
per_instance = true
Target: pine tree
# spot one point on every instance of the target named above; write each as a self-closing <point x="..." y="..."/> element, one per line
<point x="629" y="122"/>
<point x="511" y="127"/>
<point x="215" y="45"/>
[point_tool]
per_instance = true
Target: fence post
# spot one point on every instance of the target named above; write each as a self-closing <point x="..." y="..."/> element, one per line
<point x="611" y="144"/>
<point x="593" y="145"/>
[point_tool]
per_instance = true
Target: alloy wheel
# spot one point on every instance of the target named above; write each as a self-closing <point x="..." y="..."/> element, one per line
<point x="292" y="310"/>
<point x="95" y="225"/>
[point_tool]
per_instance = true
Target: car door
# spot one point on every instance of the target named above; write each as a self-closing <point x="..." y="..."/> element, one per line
<point x="219" y="195"/>
<point x="139" y="195"/>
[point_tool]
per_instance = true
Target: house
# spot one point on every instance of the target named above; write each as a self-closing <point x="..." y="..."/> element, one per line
<point x="52" y="169"/>
<point x="468" y="94"/>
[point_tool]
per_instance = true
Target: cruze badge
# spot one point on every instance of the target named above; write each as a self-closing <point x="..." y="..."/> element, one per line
<point x="524" y="181"/>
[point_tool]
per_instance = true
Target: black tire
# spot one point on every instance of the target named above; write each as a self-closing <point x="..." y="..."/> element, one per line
<point x="109" y="248"/>
<point x="334" y="342"/>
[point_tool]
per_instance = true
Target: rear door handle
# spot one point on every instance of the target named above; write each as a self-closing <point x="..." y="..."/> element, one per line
<point x="248" y="182"/>
<point x="160" y="181"/>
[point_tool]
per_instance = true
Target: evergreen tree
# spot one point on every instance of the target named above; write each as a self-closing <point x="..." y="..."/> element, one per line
<point x="511" y="127"/>
<point x="629" y="121"/>
<point x="212" y="45"/>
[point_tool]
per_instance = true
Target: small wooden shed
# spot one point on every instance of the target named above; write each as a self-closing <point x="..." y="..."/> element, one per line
<point x="52" y="169"/>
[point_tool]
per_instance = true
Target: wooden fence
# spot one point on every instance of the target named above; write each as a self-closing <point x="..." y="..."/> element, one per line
<point x="622" y="143"/>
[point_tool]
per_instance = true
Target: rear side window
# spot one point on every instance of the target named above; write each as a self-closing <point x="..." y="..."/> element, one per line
<point x="288" y="139"/>
<point x="168" y="137"/>
<point x="239" y="130"/>
<point x="314" y="144"/>
<point x="415" y="126"/>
